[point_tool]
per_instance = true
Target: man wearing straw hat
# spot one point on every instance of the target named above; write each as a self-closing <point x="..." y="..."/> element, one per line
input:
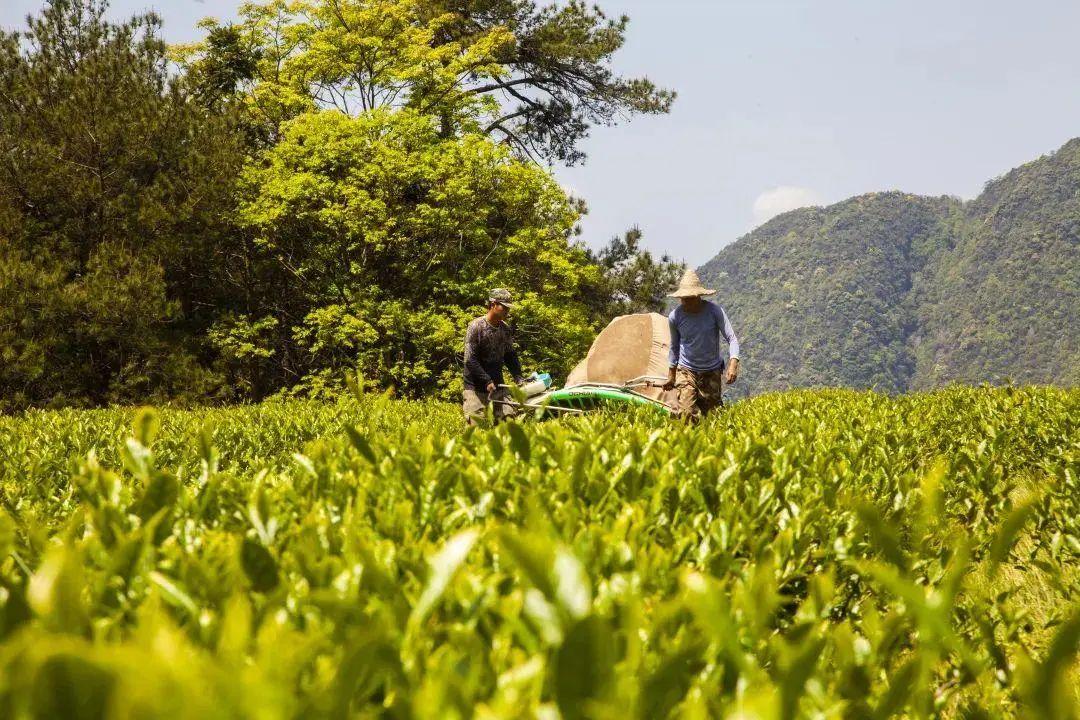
<point x="695" y="366"/>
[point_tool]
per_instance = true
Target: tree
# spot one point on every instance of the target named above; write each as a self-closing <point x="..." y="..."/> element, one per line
<point x="388" y="236"/>
<point x="535" y="77"/>
<point x="632" y="281"/>
<point x="554" y="79"/>
<point x="112" y="189"/>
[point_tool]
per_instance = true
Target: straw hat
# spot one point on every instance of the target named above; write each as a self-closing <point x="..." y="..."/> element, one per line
<point x="690" y="285"/>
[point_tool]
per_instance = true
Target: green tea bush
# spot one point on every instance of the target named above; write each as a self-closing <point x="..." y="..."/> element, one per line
<point x="826" y="554"/>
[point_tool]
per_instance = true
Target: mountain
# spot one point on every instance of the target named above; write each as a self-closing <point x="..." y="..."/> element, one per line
<point x="896" y="291"/>
<point x="1004" y="302"/>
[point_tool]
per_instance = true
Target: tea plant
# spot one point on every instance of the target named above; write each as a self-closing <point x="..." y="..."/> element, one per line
<point x="827" y="554"/>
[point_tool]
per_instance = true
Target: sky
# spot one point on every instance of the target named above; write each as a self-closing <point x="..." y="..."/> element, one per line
<point x="786" y="103"/>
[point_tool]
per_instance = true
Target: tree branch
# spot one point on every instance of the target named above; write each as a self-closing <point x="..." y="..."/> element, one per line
<point x="515" y="140"/>
<point x="497" y="124"/>
<point x="504" y="85"/>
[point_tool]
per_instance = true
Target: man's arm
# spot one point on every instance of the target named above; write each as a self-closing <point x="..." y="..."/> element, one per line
<point x="513" y="363"/>
<point x="472" y="362"/>
<point x="673" y="352"/>
<point x="729" y="335"/>
<point x="733" y="347"/>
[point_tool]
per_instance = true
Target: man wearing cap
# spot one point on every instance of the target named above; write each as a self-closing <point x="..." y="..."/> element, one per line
<point x="695" y="366"/>
<point x="489" y="344"/>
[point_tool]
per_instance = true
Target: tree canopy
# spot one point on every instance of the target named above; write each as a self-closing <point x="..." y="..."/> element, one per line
<point x="387" y="233"/>
<point x="536" y="77"/>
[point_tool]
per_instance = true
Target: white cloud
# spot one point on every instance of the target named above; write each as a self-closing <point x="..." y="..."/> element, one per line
<point x="780" y="199"/>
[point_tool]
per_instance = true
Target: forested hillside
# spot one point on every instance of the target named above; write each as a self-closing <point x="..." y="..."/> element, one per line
<point x="897" y="291"/>
<point x="820" y="294"/>
<point x="1004" y="302"/>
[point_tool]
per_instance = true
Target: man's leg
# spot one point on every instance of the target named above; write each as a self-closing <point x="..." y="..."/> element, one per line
<point x="501" y="406"/>
<point x="686" y="395"/>
<point x="474" y="406"/>
<point x="710" y="387"/>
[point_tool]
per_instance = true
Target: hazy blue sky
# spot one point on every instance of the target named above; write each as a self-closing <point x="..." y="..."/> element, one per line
<point x="788" y="102"/>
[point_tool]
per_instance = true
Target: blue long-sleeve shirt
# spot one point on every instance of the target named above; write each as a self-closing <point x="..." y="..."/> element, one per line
<point x="695" y="338"/>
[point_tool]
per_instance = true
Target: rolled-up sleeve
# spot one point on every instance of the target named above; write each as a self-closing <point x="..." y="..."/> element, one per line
<point x="729" y="335"/>
<point x="676" y="339"/>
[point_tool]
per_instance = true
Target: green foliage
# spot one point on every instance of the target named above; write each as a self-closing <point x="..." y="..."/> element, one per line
<point x="111" y="190"/>
<point x="390" y="233"/>
<point x="633" y="281"/>
<point x="811" y="554"/>
<point x="225" y="233"/>
<point x="536" y="76"/>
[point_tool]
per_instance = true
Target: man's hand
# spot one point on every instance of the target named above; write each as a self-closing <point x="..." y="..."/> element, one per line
<point x="670" y="384"/>
<point x="733" y="371"/>
<point x="491" y="388"/>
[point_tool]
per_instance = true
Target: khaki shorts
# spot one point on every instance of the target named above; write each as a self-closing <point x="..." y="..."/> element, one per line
<point x="476" y="402"/>
<point x="698" y="392"/>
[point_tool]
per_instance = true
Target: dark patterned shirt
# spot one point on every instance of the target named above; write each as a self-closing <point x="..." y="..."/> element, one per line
<point x="487" y="348"/>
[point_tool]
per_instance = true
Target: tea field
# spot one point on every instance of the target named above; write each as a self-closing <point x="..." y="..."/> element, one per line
<point x="818" y="554"/>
